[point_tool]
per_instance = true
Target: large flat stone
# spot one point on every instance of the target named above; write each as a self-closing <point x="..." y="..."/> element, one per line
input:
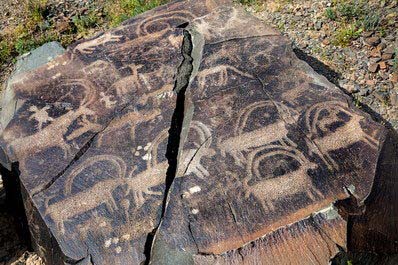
<point x="25" y="63"/>
<point x="192" y="134"/>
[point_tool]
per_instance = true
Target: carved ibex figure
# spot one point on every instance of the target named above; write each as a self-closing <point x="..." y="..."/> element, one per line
<point x="191" y="158"/>
<point x="278" y="187"/>
<point x="162" y="22"/>
<point x="244" y="141"/>
<point x="90" y="198"/>
<point x="131" y="120"/>
<point x="138" y="184"/>
<point x="349" y="133"/>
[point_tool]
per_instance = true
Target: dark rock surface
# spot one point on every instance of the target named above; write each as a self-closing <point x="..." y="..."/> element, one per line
<point x="191" y="134"/>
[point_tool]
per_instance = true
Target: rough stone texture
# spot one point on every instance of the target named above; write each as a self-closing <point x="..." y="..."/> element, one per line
<point x="190" y="137"/>
<point x="26" y="63"/>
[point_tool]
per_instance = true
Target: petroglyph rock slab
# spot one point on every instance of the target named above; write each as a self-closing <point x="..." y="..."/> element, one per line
<point x="272" y="145"/>
<point x="182" y="137"/>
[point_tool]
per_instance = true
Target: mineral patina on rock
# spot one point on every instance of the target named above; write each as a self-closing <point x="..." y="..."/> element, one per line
<point x="191" y="134"/>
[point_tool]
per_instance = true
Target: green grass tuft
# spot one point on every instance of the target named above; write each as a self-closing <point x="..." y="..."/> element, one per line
<point x="119" y="11"/>
<point x="395" y="61"/>
<point x="83" y="23"/>
<point x="345" y="35"/>
<point x="330" y="13"/>
<point x="371" y="21"/>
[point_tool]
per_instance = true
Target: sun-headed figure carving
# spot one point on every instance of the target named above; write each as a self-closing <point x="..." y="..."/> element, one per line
<point x="40" y="115"/>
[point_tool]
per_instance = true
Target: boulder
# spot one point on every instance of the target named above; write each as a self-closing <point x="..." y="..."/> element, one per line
<point x="192" y="134"/>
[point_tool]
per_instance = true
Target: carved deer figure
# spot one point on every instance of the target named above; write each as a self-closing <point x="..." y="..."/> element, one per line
<point x="131" y="119"/>
<point x="222" y="71"/>
<point x="244" y="141"/>
<point x="351" y="132"/>
<point x="89" y="47"/>
<point x="275" y="188"/>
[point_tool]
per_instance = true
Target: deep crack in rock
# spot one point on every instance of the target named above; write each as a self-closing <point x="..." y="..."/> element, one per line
<point x="183" y="77"/>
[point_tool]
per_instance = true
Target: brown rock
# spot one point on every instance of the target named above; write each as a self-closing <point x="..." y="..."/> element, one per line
<point x="389" y="50"/>
<point x="209" y="144"/>
<point x="375" y="53"/>
<point x="372" y="41"/>
<point x="381" y="46"/>
<point x="394" y="98"/>
<point x="383" y="65"/>
<point x="367" y="34"/>
<point x="370" y="82"/>
<point x="326" y="42"/>
<point x="387" y="56"/>
<point x="63" y="26"/>
<point x="373" y="67"/>
<point x="394" y="77"/>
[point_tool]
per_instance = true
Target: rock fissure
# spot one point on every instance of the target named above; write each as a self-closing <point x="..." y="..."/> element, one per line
<point x="174" y="146"/>
<point x="195" y="154"/>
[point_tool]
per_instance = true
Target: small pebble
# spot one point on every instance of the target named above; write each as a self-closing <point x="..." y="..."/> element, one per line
<point x="373" y="67"/>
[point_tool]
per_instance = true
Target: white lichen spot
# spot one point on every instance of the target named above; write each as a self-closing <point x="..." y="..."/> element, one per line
<point x="147" y="157"/>
<point x="108" y="243"/>
<point x="52" y="65"/>
<point x="186" y="195"/>
<point x="118" y="249"/>
<point x="137" y="153"/>
<point x="194" y="189"/>
<point x="148" y="145"/>
<point x="115" y="240"/>
<point x="56" y="75"/>
<point x="125" y="237"/>
<point x="195" y="211"/>
<point x="139" y="147"/>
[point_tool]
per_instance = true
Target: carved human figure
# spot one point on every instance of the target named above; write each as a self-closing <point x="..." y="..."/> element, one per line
<point x="40" y="115"/>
